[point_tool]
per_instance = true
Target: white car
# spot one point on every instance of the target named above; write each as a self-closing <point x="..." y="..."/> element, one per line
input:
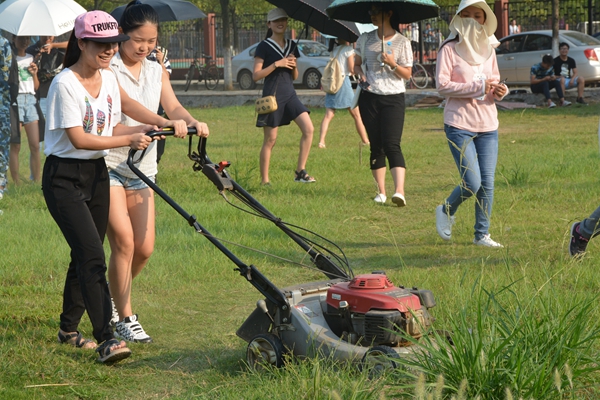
<point x="518" y="53"/>
<point x="311" y="63"/>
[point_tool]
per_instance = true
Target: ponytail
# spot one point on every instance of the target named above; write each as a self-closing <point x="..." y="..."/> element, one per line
<point x="73" y="51"/>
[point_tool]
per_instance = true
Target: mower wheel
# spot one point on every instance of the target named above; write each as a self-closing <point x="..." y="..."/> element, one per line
<point x="378" y="360"/>
<point x="265" y="349"/>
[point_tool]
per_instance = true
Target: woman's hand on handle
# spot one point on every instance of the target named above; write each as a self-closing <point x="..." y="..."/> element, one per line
<point x="201" y="128"/>
<point x="179" y="127"/>
<point x="140" y="141"/>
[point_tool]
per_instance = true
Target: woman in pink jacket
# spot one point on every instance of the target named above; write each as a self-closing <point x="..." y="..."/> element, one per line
<point x="468" y="76"/>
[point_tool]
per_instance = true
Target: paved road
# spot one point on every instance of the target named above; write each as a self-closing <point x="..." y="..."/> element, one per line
<point x="199" y="96"/>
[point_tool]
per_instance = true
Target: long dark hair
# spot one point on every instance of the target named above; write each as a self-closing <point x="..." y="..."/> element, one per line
<point x="395" y="18"/>
<point x="136" y="15"/>
<point x="73" y="52"/>
<point x="269" y="33"/>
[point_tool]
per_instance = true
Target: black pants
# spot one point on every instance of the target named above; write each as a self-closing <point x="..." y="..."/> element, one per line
<point x="383" y="117"/>
<point x="544" y="87"/>
<point x="77" y="195"/>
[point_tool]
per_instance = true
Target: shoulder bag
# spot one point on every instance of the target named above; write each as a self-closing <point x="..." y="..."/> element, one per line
<point x="364" y="62"/>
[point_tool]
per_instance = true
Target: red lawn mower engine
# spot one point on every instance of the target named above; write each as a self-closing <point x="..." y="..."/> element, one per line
<point x="369" y="311"/>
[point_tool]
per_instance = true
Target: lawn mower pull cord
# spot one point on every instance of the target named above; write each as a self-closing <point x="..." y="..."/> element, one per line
<point x="350" y="317"/>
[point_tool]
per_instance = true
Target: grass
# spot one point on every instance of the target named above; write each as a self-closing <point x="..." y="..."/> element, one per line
<point x="529" y="297"/>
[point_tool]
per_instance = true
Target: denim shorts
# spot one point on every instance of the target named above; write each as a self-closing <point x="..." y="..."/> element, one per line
<point x="116" y="179"/>
<point x="571" y="82"/>
<point x="27" y="110"/>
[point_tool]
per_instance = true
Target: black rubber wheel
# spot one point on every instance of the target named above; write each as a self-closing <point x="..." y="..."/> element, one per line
<point x="265" y="349"/>
<point x="188" y="77"/>
<point x="245" y="80"/>
<point x="211" y="80"/>
<point x="419" y="76"/>
<point x="379" y="360"/>
<point x="312" y="79"/>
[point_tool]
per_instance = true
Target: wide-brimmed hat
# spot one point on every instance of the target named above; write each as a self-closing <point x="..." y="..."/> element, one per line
<point x="98" y="26"/>
<point x="275" y="14"/>
<point x="491" y="22"/>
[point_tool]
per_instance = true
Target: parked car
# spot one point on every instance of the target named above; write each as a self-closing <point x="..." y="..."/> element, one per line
<point x="311" y="63"/>
<point x="519" y="52"/>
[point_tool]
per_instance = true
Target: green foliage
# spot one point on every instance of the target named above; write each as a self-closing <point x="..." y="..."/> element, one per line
<point x="525" y="342"/>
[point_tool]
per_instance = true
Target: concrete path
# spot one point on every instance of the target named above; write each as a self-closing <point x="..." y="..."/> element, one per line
<point x="199" y="96"/>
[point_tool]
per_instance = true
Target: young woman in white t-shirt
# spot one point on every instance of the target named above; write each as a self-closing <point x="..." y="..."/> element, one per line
<point x="83" y="120"/>
<point x="28" y="115"/>
<point x="132" y="218"/>
<point x="382" y="73"/>
<point x="343" y="98"/>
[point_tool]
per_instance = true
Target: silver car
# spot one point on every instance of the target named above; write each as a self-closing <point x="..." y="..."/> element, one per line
<point x="311" y="63"/>
<point x="518" y="53"/>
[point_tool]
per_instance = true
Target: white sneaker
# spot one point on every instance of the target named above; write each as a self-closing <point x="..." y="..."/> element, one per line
<point x="115" y="314"/>
<point x="380" y="198"/>
<point x="551" y="105"/>
<point x="399" y="200"/>
<point x="130" y="330"/>
<point x="487" y="242"/>
<point x="443" y="223"/>
<point x="565" y="103"/>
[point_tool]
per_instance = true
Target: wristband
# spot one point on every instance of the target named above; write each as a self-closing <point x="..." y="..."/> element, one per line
<point x="393" y="69"/>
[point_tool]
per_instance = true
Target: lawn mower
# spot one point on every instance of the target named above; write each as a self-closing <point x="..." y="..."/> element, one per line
<point x="363" y="318"/>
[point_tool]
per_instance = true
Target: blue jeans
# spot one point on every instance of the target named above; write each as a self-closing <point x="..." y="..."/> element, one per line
<point x="475" y="154"/>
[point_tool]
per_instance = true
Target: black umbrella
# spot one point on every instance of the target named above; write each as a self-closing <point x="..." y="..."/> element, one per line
<point x="312" y="13"/>
<point x="407" y="10"/>
<point x="168" y="10"/>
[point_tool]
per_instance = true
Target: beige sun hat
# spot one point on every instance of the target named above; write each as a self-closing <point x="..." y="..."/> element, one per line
<point x="275" y="14"/>
<point x="491" y="22"/>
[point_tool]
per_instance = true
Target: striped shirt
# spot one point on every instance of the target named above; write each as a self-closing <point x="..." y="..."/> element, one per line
<point x="146" y="90"/>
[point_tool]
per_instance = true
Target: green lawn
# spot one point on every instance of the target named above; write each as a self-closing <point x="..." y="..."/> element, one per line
<point x="191" y="301"/>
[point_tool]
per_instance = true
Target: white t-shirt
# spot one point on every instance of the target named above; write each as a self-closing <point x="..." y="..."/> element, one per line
<point x="382" y="79"/>
<point x="70" y="105"/>
<point x="146" y="90"/>
<point x="25" y="77"/>
<point x="342" y="54"/>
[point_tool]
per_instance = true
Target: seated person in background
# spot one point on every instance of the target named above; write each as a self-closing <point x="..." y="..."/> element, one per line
<point x="565" y="66"/>
<point x="543" y="80"/>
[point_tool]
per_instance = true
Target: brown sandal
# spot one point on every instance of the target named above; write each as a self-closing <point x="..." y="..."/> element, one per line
<point x="76" y="340"/>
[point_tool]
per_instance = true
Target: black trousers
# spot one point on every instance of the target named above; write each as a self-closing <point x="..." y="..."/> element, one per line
<point x="77" y="195"/>
<point x="383" y="117"/>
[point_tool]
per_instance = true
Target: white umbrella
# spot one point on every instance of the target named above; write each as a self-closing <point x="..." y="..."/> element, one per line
<point x="39" y="17"/>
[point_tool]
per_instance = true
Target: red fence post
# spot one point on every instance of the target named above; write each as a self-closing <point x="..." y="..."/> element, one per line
<point x="501" y="11"/>
<point x="210" y="41"/>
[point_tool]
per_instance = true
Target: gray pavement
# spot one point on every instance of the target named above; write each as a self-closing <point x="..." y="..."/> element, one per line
<point x="199" y="96"/>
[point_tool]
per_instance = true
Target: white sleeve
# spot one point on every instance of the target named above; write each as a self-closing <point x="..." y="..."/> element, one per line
<point x="63" y="111"/>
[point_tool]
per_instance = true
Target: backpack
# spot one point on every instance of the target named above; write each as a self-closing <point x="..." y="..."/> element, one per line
<point x="333" y="76"/>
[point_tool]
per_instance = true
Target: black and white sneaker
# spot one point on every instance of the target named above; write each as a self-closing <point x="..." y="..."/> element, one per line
<point x="130" y="330"/>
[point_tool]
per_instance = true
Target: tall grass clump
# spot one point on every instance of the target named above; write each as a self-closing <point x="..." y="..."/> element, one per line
<point x="502" y="345"/>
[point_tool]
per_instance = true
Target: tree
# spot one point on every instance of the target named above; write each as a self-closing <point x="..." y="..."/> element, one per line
<point x="555" y="18"/>
<point x="227" y="78"/>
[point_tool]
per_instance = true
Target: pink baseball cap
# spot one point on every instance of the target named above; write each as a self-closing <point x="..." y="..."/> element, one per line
<point x="98" y="26"/>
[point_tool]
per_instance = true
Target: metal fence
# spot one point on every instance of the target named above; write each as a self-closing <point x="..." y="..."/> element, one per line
<point x="185" y="39"/>
<point x="574" y="14"/>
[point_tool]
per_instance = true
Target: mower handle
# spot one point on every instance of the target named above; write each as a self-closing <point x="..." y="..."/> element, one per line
<point x="153" y="134"/>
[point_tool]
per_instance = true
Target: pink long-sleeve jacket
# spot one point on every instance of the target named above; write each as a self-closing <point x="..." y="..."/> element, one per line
<point x="455" y="81"/>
